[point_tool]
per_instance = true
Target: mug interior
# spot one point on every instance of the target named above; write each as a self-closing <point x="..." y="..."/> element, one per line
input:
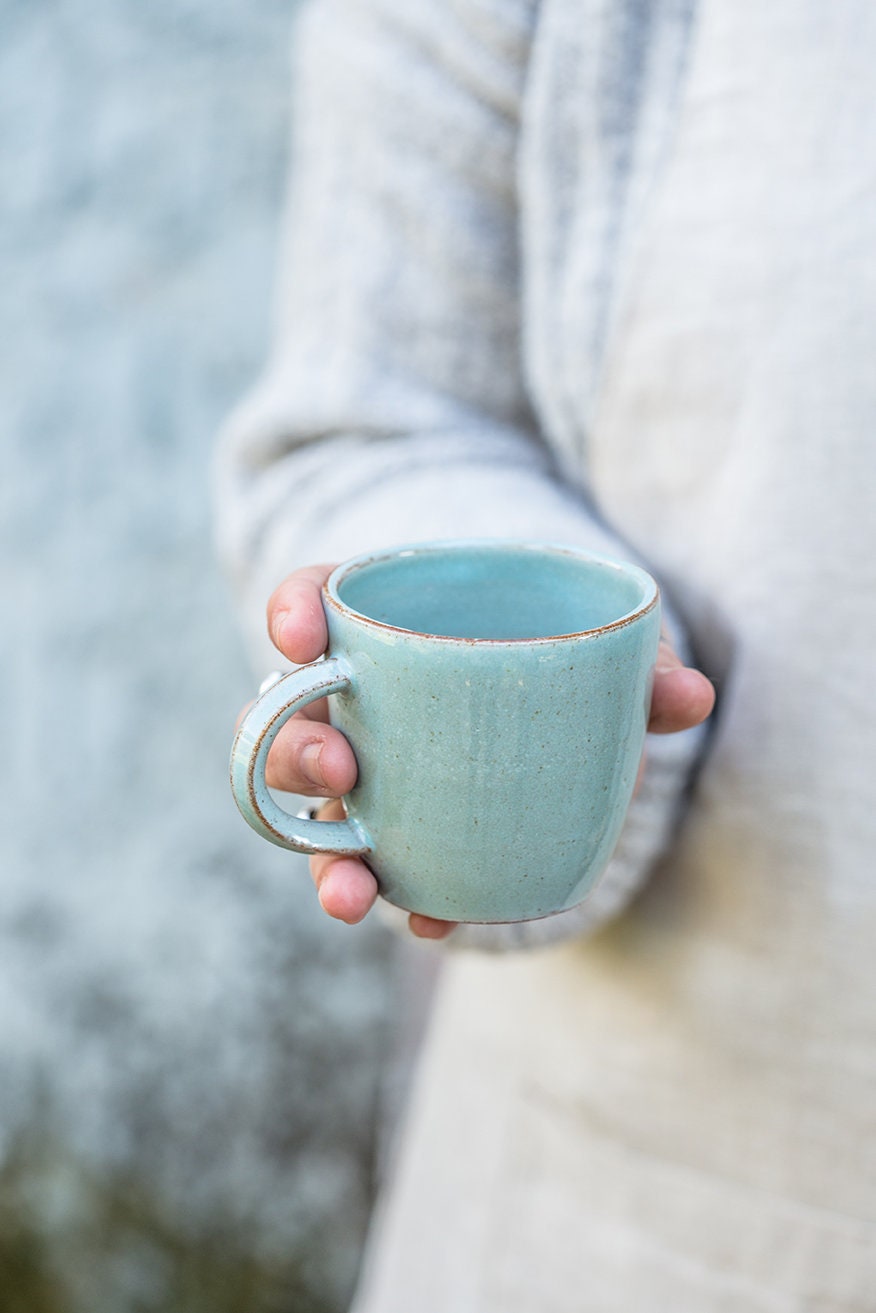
<point x="503" y="592"/>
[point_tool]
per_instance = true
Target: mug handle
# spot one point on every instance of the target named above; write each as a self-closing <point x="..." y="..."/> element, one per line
<point x="257" y="731"/>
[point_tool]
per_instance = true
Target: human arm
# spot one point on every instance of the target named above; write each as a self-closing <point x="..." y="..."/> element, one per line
<point x="395" y="406"/>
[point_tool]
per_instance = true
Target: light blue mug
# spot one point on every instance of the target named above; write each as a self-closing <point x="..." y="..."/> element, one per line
<point x="496" y="695"/>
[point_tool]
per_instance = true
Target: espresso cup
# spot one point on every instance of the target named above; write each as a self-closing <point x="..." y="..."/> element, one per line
<point x="496" y="695"/>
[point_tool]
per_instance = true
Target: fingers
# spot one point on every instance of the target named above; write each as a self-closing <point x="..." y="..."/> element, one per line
<point x="310" y="757"/>
<point x="426" y="927"/>
<point x="307" y="756"/>
<point x="296" y="620"/>
<point x="682" y="697"/>
<point x="347" y="889"/>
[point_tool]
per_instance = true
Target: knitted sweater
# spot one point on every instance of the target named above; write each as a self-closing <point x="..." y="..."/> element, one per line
<point x="604" y="271"/>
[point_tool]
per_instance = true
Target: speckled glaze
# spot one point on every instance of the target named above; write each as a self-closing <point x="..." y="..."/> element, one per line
<point x="497" y="757"/>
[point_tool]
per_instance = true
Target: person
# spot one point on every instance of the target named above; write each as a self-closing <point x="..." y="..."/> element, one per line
<point x="606" y="274"/>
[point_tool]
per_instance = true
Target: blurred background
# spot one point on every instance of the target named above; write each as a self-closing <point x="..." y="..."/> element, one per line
<point x="190" y="1053"/>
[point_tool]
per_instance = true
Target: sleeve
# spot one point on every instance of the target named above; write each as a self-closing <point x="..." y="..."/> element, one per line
<point x="393" y="407"/>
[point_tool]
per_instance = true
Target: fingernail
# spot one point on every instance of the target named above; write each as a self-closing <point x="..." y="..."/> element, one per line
<point x="278" y="620"/>
<point x="310" y="764"/>
<point x="667" y="660"/>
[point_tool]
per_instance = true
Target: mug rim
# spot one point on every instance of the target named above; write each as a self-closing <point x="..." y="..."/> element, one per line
<point x="341" y="572"/>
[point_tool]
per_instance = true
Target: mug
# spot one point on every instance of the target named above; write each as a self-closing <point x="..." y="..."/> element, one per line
<point x="496" y="696"/>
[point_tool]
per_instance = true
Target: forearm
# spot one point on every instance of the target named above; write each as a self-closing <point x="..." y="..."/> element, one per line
<point x="328" y="501"/>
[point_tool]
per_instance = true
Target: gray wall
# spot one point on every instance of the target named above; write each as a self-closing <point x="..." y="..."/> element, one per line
<point x="189" y="1052"/>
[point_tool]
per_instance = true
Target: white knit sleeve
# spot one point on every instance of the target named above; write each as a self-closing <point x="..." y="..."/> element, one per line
<point x="393" y="408"/>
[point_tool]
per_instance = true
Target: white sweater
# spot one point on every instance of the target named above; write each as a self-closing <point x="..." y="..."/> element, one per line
<point x="550" y="267"/>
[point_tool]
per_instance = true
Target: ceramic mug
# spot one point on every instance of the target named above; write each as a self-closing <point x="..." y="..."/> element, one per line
<point x="496" y="696"/>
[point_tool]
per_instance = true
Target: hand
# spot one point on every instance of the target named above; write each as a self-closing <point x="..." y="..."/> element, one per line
<point x="311" y="758"/>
